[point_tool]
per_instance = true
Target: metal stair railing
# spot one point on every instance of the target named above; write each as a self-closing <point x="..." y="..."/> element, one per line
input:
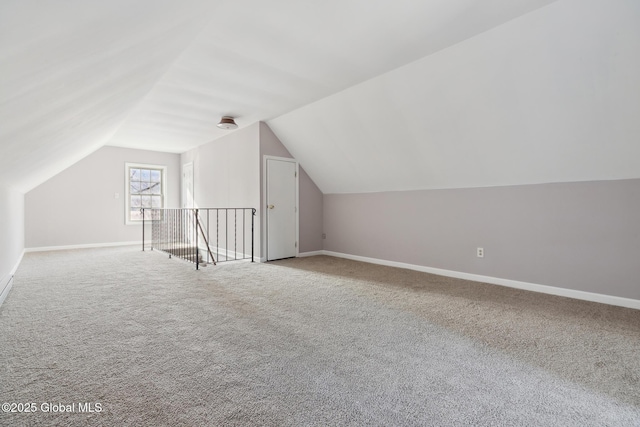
<point x="180" y="233"/>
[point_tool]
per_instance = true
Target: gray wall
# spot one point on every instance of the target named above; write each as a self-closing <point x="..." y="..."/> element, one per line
<point x="311" y="200"/>
<point x="11" y="232"/>
<point x="582" y="236"/>
<point x="77" y="206"/>
<point x="310" y="196"/>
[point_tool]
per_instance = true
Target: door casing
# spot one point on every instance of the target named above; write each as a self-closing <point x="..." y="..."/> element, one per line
<point x="266" y="199"/>
<point x="188" y="190"/>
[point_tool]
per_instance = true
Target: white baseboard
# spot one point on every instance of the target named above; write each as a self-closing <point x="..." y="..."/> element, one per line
<point x="233" y="255"/>
<point x="301" y="255"/>
<point x="7" y="281"/>
<point x="6" y="289"/>
<point x="84" y="246"/>
<point x="312" y="253"/>
<point x="552" y="290"/>
<point x="15" y="267"/>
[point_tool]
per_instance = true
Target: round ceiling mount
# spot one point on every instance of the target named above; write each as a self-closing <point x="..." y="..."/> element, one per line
<point x="227" y="123"/>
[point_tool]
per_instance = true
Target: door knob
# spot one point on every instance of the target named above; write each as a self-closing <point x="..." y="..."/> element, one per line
<point x="271" y="206"/>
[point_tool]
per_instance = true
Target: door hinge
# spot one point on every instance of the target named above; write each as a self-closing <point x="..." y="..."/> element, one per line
<point x="295" y="174"/>
<point x="296" y="244"/>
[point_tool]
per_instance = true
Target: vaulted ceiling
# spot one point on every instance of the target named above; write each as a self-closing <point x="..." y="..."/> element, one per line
<point x="369" y="96"/>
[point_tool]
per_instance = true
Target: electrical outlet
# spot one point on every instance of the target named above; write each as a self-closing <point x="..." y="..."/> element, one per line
<point x="324" y="236"/>
<point x="480" y="253"/>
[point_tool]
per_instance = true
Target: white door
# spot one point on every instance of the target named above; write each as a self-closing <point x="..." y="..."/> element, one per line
<point x="281" y="208"/>
<point x="187" y="185"/>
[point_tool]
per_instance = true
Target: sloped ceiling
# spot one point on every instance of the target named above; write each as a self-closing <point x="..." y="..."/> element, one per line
<point x="157" y="74"/>
<point x="368" y="96"/>
<point x="71" y="71"/>
<point x="553" y="96"/>
<point x="261" y="59"/>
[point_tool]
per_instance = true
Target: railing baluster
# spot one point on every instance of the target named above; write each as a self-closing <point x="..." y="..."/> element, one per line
<point x="226" y="234"/>
<point x="197" y="255"/>
<point x="178" y="232"/>
<point x="172" y="230"/>
<point x="183" y="226"/>
<point x="217" y="234"/>
<point x="182" y="231"/>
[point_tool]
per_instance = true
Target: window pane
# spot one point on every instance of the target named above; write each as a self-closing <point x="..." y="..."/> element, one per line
<point x="155" y="188"/>
<point x="136" y="202"/>
<point x="148" y="214"/>
<point x="134" y="187"/>
<point x="135" y="214"/>
<point x="145" y="187"/>
<point x="145" y="191"/>
<point x="155" y="176"/>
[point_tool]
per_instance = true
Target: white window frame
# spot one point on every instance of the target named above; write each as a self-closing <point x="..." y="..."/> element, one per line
<point x="127" y="186"/>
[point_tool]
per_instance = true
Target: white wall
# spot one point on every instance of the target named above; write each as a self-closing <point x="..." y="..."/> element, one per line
<point x="78" y="205"/>
<point x="227" y="174"/>
<point x="11" y="234"/>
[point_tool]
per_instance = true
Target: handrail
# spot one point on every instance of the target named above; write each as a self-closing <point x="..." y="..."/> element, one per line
<point x="178" y="232"/>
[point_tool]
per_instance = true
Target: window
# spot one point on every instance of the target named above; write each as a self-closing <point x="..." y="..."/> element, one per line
<point x="145" y="188"/>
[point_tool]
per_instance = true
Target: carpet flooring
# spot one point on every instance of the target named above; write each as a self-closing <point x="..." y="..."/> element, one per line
<point x="117" y="336"/>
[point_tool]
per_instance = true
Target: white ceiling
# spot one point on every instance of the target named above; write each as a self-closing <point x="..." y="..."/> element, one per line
<point x="158" y="74"/>
<point x="553" y="96"/>
<point x="367" y="95"/>
<point x="71" y="71"/>
<point x="261" y="59"/>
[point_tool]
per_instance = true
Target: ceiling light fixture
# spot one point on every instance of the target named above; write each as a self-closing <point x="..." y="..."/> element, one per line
<point x="227" y="123"/>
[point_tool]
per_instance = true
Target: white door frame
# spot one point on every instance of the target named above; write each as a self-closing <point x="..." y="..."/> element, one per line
<point x="264" y="224"/>
<point x="184" y="199"/>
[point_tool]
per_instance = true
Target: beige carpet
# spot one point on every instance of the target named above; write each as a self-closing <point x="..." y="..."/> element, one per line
<point x="312" y="341"/>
